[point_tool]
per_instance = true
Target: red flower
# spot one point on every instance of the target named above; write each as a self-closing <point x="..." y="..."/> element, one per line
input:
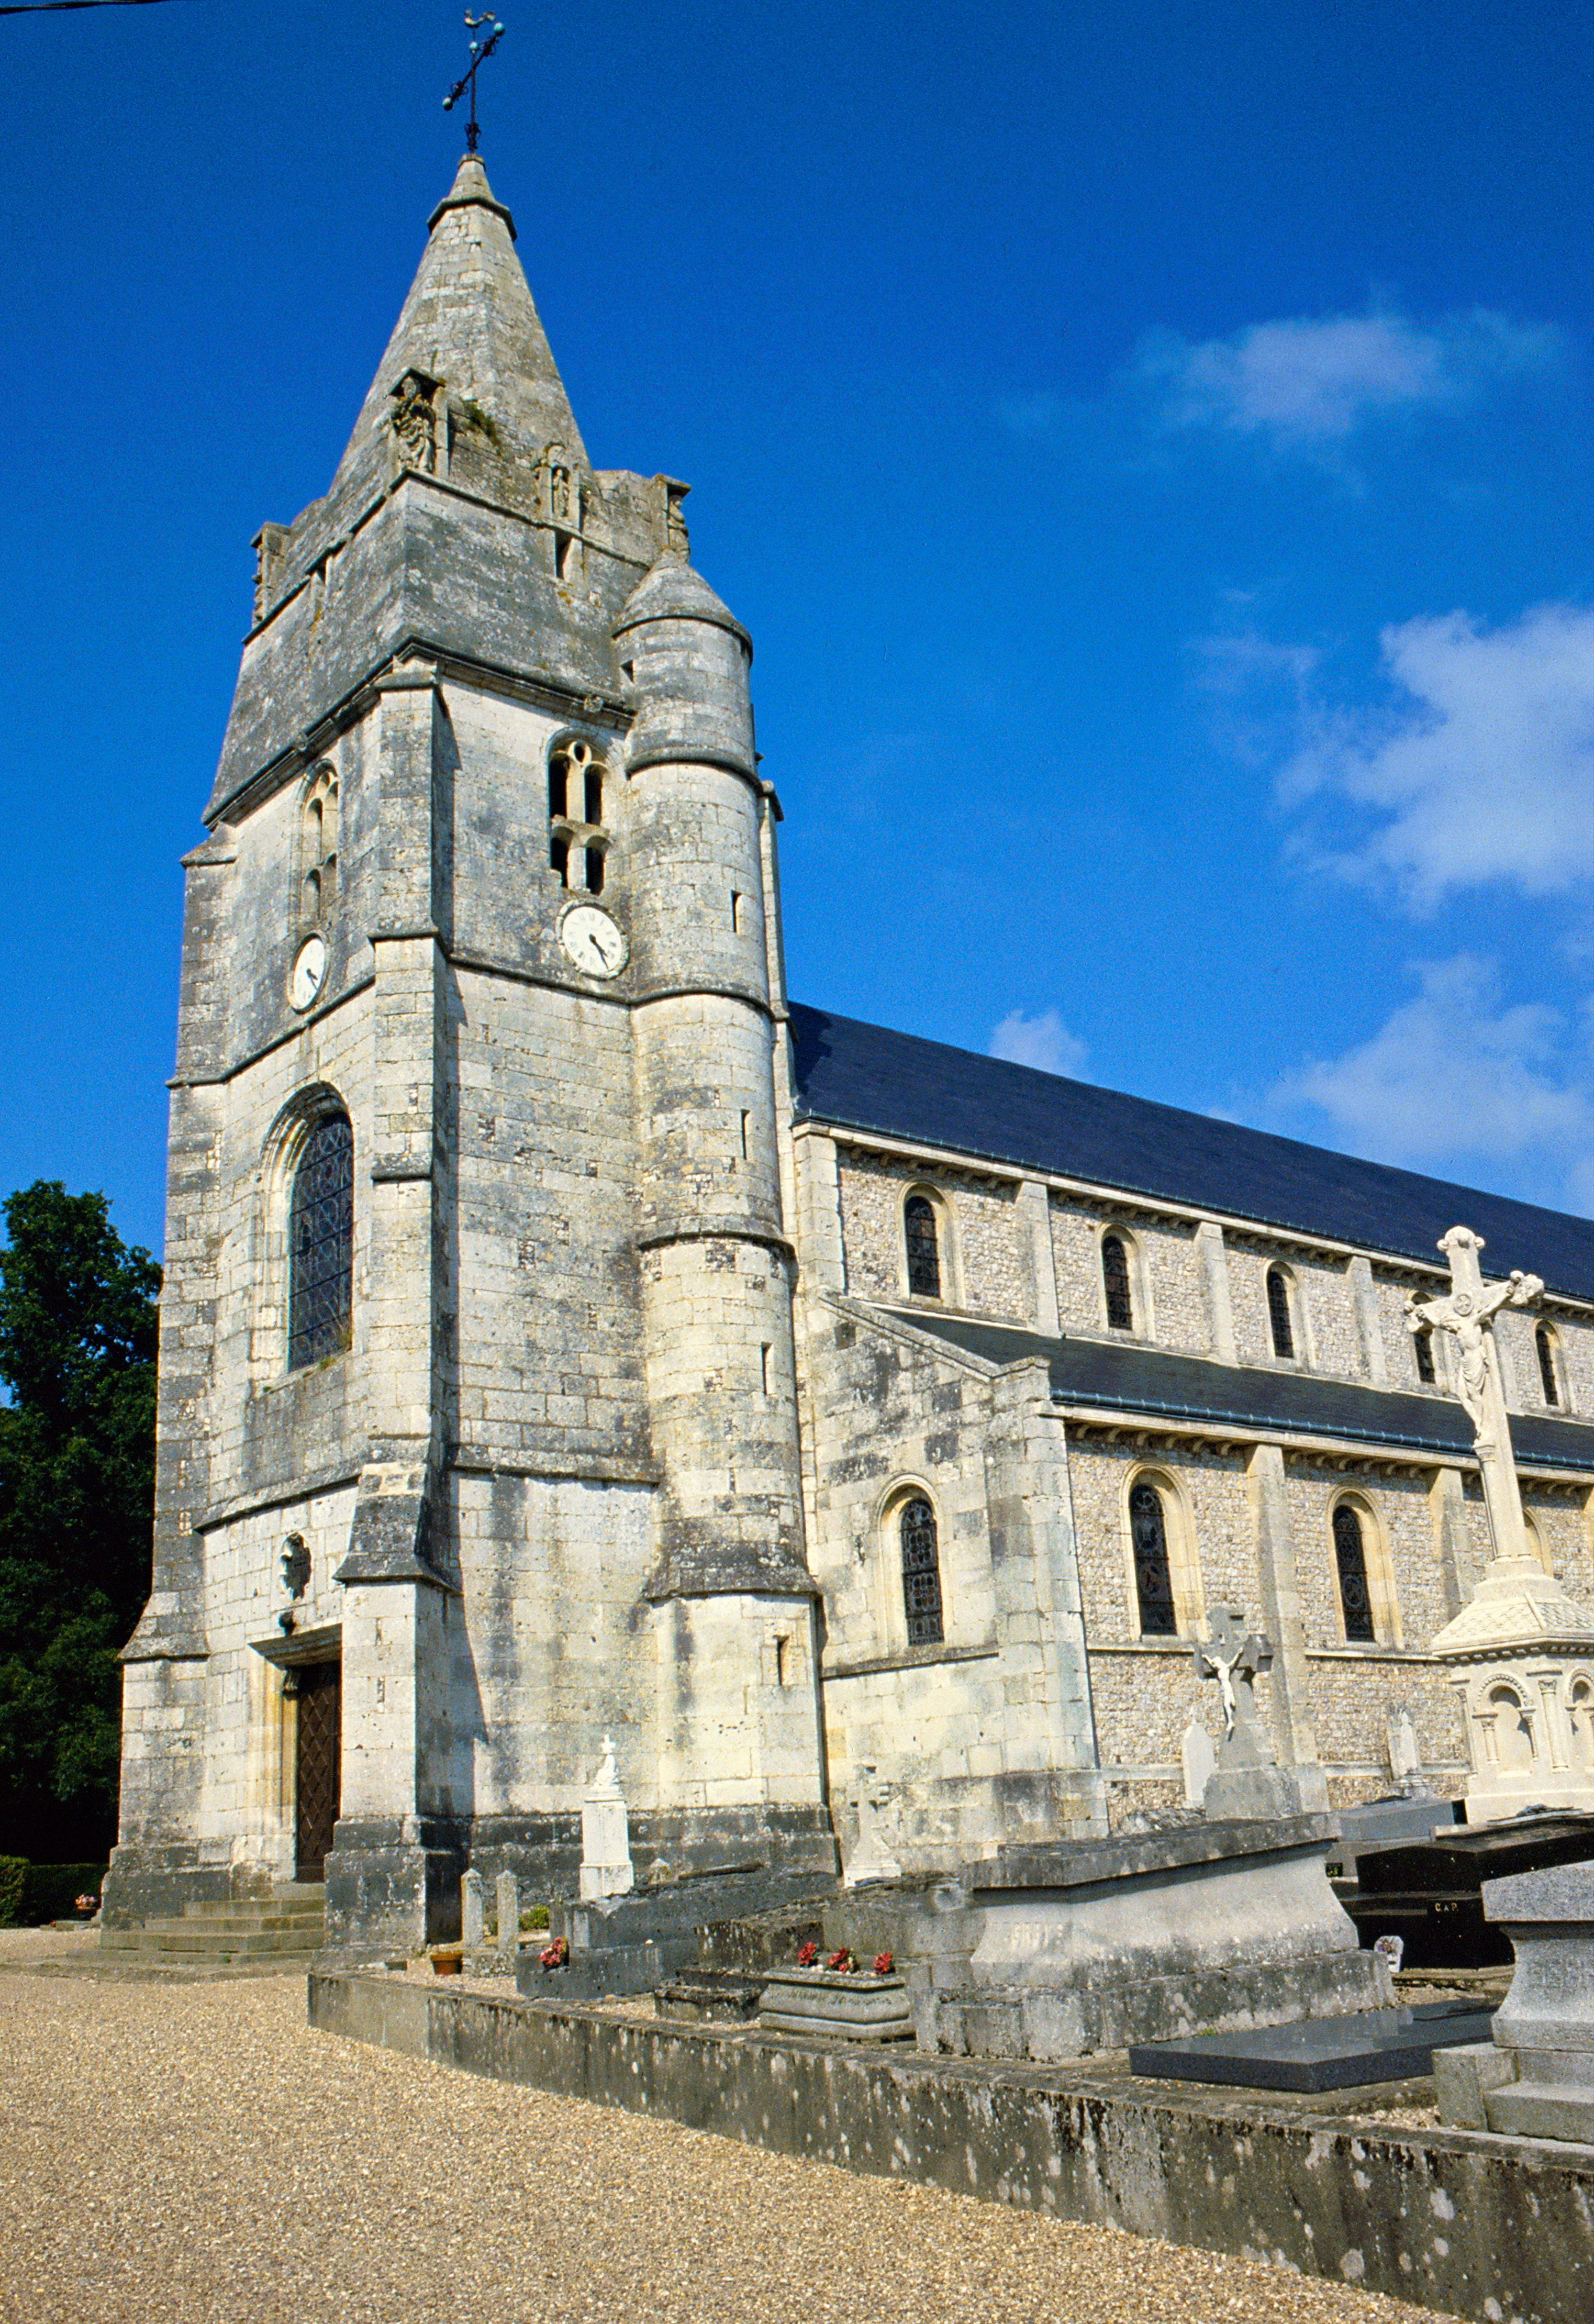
<point x="807" y="1955"/>
<point x="555" y="1955"/>
<point x="882" y="1964"/>
<point x="842" y="1960"/>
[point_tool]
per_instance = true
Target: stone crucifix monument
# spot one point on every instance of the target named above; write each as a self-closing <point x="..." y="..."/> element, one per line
<point x="1521" y="1650"/>
<point x="1247" y="1781"/>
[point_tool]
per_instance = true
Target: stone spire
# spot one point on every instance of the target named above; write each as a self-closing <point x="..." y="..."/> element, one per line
<point x="470" y="324"/>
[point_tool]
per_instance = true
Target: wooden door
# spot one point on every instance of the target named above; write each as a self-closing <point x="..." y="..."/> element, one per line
<point x="319" y="1765"/>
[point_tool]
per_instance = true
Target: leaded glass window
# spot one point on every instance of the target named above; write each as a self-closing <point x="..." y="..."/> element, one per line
<point x="1350" y="1557"/>
<point x="1422" y="1343"/>
<point x="1115" y="1282"/>
<point x="321" y="1243"/>
<point x="1154" y="1578"/>
<point x="921" y="1574"/>
<point x="1545" y="1344"/>
<point x="1278" y="1313"/>
<point x="923" y="1255"/>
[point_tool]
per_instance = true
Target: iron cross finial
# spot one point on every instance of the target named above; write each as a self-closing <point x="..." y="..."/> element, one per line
<point x="493" y="31"/>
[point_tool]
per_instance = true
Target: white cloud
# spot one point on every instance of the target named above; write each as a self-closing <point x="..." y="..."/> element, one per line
<point x="1306" y="382"/>
<point x="1044" y="1042"/>
<point x="1483" y="771"/>
<point x="1455" y="1072"/>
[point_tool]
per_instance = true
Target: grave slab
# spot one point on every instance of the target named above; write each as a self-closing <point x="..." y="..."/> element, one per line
<point x="1326" y="2053"/>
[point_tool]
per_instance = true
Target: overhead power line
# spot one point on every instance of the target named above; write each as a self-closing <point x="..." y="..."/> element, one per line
<point x="49" y="7"/>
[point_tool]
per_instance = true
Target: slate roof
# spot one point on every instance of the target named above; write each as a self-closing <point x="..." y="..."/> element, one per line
<point x="1127" y="1377"/>
<point x="857" y="1076"/>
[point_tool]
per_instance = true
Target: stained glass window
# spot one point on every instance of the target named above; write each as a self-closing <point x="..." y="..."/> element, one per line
<point x="1350" y="1557"/>
<point x="1545" y="1345"/>
<point x="321" y="1231"/>
<point x="1154" y="1580"/>
<point x="924" y="1257"/>
<point x="921" y="1574"/>
<point x="1115" y="1282"/>
<point x="1424" y="1344"/>
<point x="1278" y="1312"/>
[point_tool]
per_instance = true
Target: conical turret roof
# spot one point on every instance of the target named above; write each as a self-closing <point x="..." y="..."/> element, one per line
<point x="470" y="320"/>
<point x="674" y="591"/>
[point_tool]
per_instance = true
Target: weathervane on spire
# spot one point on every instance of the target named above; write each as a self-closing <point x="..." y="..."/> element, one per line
<point x="480" y="51"/>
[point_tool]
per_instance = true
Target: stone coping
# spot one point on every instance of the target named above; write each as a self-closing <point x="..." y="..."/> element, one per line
<point x="1077" y="1864"/>
<point x="1471" y="2223"/>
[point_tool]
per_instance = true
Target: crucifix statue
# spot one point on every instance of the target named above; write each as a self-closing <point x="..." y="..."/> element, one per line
<point x="1468" y="1315"/>
<point x="480" y="51"/>
<point x="1236" y="1658"/>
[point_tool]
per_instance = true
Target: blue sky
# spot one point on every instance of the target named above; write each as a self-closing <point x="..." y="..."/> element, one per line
<point x="1150" y="447"/>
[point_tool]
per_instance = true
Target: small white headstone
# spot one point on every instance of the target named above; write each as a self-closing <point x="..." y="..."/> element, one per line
<point x="872" y="1859"/>
<point x="472" y="1909"/>
<point x="509" y="1913"/>
<point x="1200" y="1755"/>
<point x="605" y="1834"/>
<point x="1406" y="1758"/>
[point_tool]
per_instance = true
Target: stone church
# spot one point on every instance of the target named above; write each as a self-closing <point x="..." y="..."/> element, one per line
<point x="567" y="1335"/>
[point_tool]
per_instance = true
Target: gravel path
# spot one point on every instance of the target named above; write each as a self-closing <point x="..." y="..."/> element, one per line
<point x="196" y="2152"/>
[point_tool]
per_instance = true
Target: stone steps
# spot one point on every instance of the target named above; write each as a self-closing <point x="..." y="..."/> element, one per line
<point x="283" y="1931"/>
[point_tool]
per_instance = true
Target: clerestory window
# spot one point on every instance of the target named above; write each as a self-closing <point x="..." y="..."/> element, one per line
<point x="1422" y="1348"/>
<point x="320" y="1244"/>
<point x="1549" y="1374"/>
<point x="924" y="1248"/>
<point x="1280" y="1320"/>
<point x="1116" y="1284"/>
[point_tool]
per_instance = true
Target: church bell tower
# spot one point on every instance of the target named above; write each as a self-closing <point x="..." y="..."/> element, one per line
<point x="478" y="1431"/>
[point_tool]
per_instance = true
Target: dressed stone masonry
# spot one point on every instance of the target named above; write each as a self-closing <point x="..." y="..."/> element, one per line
<point x="567" y="1337"/>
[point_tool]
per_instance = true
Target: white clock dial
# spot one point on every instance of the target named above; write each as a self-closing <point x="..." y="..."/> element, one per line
<point x="309" y="972"/>
<point x="593" y="941"/>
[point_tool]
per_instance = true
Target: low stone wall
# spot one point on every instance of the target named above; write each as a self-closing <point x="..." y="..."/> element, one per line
<point x="1493" y="2230"/>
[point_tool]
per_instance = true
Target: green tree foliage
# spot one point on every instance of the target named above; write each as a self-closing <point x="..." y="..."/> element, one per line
<point x="77" y="1332"/>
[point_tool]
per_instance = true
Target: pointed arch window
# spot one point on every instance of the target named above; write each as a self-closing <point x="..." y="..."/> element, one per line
<point x="922" y="1238"/>
<point x="1116" y="1284"/>
<point x="1422" y="1348"/>
<point x="1153" y="1578"/>
<point x="1356" y="1603"/>
<point x="921" y="1574"/>
<point x="320" y="1245"/>
<point x="1549" y="1372"/>
<point x="1280" y="1320"/>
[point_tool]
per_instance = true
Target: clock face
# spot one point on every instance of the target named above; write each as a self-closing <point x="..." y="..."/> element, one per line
<point x="310" y="972"/>
<point x="593" y="941"/>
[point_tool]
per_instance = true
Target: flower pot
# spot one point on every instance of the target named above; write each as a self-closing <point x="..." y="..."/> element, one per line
<point x="447" y="1964"/>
